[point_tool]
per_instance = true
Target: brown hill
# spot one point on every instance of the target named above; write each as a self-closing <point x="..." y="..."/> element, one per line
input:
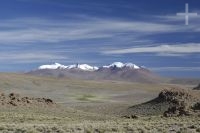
<point x="170" y="102"/>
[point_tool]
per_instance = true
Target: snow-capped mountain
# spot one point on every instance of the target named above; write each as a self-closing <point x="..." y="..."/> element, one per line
<point x="84" y="67"/>
<point x="114" y="71"/>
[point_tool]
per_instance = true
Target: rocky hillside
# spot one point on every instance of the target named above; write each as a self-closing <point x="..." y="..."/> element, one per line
<point x="170" y="102"/>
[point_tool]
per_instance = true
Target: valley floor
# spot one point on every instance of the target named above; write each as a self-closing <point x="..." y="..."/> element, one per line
<point x="86" y="107"/>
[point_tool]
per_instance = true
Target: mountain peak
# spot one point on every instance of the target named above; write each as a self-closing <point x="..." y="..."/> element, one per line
<point x="131" y="65"/>
<point x="122" y="65"/>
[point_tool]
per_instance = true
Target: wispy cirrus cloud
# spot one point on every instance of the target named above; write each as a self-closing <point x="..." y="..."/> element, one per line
<point x="30" y="57"/>
<point x="162" y="50"/>
<point x="20" y="31"/>
<point x="30" y="30"/>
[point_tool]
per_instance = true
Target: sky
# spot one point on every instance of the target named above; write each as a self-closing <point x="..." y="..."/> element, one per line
<point x="99" y="32"/>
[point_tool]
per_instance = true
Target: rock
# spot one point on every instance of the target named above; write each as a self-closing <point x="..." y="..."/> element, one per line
<point x="197" y="88"/>
<point x="12" y="103"/>
<point x="131" y="117"/>
<point x="13" y="95"/>
<point x="181" y="102"/>
<point x="48" y="101"/>
<point x="134" y="117"/>
<point x="196" y="106"/>
<point x="14" y="99"/>
<point x="175" y="95"/>
<point x="177" y="110"/>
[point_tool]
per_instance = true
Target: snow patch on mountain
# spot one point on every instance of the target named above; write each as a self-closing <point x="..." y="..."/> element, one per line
<point x="122" y="65"/>
<point x="87" y="67"/>
<point x="115" y="64"/>
<point x="84" y="67"/>
<point x="131" y="65"/>
<point x="53" y="66"/>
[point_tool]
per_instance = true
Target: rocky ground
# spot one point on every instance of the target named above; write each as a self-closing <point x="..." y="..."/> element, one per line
<point x="96" y="106"/>
<point x="180" y="114"/>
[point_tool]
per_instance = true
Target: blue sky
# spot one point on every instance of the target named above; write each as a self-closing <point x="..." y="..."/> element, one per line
<point x="97" y="32"/>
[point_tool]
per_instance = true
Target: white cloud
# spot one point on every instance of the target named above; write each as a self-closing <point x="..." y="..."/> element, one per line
<point x="45" y="30"/>
<point x="179" y="22"/>
<point x="27" y="57"/>
<point x="166" y="49"/>
<point x="171" y="54"/>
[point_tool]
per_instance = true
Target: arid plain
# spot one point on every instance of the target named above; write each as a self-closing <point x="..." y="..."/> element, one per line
<point x="85" y="106"/>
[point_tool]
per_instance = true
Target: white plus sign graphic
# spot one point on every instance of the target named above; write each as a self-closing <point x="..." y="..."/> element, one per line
<point x="187" y="14"/>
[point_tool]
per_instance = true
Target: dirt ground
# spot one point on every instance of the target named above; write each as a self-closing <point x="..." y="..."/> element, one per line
<point x="86" y="107"/>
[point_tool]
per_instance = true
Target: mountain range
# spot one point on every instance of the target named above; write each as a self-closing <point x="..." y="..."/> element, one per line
<point x="115" y="71"/>
<point x="86" y="67"/>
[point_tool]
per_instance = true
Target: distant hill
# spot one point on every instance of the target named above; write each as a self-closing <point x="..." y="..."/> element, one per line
<point x="184" y="81"/>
